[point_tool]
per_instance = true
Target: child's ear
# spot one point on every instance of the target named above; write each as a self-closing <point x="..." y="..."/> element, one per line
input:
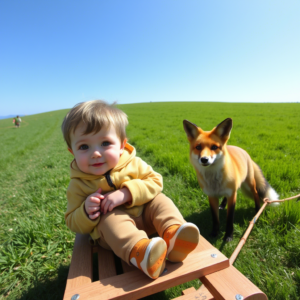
<point x="70" y="150"/>
<point x="123" y="146"/>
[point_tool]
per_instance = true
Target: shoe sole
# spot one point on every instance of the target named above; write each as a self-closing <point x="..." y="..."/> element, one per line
<point x="183" y="242"/>
<point x="154" y="260"/>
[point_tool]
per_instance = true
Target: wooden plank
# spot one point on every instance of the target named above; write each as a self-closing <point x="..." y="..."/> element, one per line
<point x="126" y="268"/>
<point x="225" y="284"/>
<point x="228" y="283"/>
<point x="204" y="245"/>
<point x="80" y="271"/>
<point x="201" y="294"/>
<point x="188" y="291"/>
<point x="106" y="263"/>
<point x="135" y="284"/>
<point x="197" y="295"/>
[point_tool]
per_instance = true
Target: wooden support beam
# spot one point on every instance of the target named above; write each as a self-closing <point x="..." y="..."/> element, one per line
<point x="226" y="284"/>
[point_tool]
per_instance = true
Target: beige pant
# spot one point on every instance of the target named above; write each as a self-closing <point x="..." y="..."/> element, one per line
<point x="120" y="231"/>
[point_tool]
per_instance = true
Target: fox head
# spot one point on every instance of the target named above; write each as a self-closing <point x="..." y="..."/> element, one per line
<point x="207" y="147"/>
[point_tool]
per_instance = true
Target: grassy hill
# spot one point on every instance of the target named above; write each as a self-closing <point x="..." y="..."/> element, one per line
<point x="36" y="246"/>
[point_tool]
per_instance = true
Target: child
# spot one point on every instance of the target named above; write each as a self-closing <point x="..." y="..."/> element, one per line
<point x="17" y="121"/>
<point x="116" y="197"/>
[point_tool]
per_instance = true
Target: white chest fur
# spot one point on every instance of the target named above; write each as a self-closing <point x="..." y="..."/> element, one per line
<point x="211" y="179"/>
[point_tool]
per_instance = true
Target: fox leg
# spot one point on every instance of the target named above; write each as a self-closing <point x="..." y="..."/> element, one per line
<point x="223" y="203"/>
<point x="230" y="217"/>
<point x="214" y="208"/>
<point x="252" y="185"/>
<point x="256" y="197"/>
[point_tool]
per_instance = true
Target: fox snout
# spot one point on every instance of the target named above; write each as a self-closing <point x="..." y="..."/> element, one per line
<point x="204" y="159"/>
<point x="207" y="160"/>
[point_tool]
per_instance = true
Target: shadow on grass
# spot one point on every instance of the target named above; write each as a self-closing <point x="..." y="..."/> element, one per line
<point x="204" y="222"/>
<point x="52" y="289"/>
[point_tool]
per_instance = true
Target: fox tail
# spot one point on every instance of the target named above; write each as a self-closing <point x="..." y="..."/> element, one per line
<point x="263" y="188"/>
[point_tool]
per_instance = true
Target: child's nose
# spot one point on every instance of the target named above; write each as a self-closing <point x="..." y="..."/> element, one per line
<point x="96" y="153"/>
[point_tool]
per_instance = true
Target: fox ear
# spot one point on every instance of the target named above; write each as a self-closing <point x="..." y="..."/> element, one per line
<point x="224" y="128"/>
<point x="191" y="129"/>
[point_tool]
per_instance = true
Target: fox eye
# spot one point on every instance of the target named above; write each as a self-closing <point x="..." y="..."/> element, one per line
<point x="198" y="147"/>
<point x="83" y="147"/>
<point x="214" y="147"/>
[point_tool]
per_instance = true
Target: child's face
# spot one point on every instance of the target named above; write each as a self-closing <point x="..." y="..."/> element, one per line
<point x="96" y="153"/>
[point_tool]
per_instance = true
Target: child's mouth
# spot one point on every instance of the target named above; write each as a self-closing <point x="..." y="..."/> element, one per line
<point x="97" y="165"/>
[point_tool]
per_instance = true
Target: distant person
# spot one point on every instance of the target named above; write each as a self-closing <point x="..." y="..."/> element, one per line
<point x="116" y="197"/>
<point x="18" y="121"/>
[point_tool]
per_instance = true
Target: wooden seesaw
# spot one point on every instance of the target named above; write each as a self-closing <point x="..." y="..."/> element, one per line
<point x="221" y="280"/>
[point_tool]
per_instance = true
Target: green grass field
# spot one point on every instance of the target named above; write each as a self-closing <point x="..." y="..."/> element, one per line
<point x="36" y="246"/>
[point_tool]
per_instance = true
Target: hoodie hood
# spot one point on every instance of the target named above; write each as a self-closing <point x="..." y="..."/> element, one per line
<point x="126" y="157"/>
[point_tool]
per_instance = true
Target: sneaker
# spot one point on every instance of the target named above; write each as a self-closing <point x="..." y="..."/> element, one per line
<point x="181" y="240"/>
<point x="150" y="256"/>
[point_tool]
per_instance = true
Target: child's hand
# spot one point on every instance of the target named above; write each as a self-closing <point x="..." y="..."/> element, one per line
<point x="114" y="199"/>
<point x="92" y="204"/>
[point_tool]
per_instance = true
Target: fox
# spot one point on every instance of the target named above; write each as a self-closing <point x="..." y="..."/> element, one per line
<point x="222" y="169"/>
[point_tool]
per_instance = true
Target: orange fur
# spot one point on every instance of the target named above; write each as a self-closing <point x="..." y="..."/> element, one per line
<point x="221" y="170"/>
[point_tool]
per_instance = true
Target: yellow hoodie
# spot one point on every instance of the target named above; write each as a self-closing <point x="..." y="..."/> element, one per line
<point x="131" y="172"/>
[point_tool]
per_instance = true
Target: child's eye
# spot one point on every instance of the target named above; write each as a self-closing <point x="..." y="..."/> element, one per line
<point x="83" y="147"/>
<point x="105" y="144"/>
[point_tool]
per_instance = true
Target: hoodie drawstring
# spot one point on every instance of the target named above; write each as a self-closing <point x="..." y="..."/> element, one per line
<point x="109" y="181"/>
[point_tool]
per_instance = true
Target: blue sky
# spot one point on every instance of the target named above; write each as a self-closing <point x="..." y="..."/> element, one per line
<point x="55" y="54"/>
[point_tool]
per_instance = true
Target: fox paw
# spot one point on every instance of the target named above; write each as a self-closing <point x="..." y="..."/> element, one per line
<point x="228" y="238"/>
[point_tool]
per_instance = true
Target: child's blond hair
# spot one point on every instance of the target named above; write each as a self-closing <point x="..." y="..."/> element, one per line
<point x="96" y="115"/>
